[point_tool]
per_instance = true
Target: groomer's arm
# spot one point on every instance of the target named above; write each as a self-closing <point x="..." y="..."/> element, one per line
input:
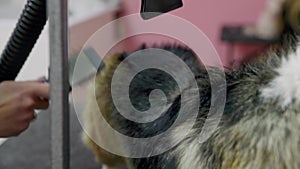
<point x="17" y="103"/>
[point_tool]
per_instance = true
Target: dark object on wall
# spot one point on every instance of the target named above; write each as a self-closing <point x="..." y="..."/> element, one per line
<point x="23" y="38"/>
<point x="153" y="8"/>
<point x="236" y="34"/>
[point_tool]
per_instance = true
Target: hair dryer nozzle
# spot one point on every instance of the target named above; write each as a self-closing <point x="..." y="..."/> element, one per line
<point x="153" y="8"/>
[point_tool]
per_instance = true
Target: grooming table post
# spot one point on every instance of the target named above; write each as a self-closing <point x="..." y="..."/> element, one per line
<point x="58" y="25"/>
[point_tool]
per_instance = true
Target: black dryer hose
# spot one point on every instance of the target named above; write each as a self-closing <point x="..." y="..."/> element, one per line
<point x="23" y="39"/>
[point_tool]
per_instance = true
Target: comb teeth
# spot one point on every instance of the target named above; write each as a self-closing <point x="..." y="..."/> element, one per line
<point x="153" y="8"/>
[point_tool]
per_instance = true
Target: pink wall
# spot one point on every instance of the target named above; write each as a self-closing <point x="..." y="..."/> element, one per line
<point x="209" y="16"/>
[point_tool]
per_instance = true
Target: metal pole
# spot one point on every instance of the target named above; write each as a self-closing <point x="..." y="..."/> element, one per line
<point x="58" y="25"/>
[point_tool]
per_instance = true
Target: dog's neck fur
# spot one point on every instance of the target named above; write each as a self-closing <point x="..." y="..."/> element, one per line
<point x="286" y="86"/>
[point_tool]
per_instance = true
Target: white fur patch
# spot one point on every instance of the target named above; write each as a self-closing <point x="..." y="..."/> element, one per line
<point x="286" y="86"/>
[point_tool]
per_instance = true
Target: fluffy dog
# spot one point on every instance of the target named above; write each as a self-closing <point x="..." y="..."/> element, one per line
<point x="259" y="128"/>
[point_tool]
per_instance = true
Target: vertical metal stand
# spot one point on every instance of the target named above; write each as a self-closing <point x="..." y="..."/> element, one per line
<point x="58" y="25"/>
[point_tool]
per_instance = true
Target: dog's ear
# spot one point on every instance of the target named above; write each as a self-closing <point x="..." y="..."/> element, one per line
<point x="293" y="14"/>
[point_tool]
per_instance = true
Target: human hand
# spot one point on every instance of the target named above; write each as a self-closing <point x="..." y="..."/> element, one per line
<point x="17" y="103"/>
